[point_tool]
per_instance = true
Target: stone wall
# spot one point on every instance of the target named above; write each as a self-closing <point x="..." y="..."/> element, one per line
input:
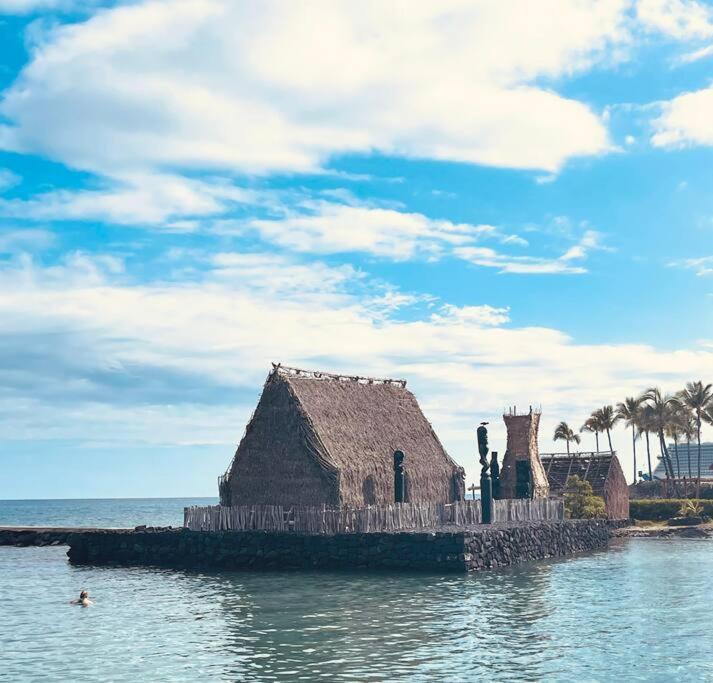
<point x="452" y="551"/>
<point x="23" y="538"/>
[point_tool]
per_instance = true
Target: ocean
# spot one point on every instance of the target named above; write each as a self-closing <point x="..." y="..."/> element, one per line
<point x="637" y="612"/>
<point x="98" y="512"/>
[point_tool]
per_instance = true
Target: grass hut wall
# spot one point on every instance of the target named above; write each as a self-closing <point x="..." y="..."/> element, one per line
<point x="316" y="438"/>
<point x="601" y="470"/>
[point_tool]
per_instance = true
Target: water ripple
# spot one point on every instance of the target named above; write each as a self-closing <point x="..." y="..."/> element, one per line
<point x="637" y="612"/>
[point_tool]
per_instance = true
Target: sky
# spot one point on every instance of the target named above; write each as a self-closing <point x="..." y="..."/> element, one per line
<point x="503" y="203"/>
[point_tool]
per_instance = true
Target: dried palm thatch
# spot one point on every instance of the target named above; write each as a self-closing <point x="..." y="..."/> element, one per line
<point x="601" y="470"/>
<point x="322" y="439"/>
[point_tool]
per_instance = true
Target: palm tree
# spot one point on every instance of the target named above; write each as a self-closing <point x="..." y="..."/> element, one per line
<point x="673" y="430"/>
<point x="689" y="431"/>
<point x="643" y="424"/>
<point x="707" y="414"/>
<point x="628" y="411"/>
<point x="662" y="410"/>
<point x="697" y="397"/>
<point x="590" y="425"/>
<point x="606" y="419"/>
<point x="563" y="432"/>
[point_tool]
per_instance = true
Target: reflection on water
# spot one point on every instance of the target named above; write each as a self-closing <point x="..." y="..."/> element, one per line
<point x="604" y="616"/>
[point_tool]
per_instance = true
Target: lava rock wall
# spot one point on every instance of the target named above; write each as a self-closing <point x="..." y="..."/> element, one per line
<point x="450" y="551"/>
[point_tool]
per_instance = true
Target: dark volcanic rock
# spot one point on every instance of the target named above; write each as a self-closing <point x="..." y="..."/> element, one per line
<point x="476" y="548"/>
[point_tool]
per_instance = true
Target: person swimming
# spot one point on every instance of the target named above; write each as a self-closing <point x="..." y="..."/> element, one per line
<point x="84" y="600"/>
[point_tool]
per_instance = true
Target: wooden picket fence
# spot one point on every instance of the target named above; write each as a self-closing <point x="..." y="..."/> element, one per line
<point x="373" y="518"/>
<point x="523" y="510"/>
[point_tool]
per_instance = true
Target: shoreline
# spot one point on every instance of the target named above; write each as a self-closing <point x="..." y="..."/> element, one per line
<point x="696" y="531"/>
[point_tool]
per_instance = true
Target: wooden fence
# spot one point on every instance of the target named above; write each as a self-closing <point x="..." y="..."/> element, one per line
<point x="395" y="517"/>
<point x="522" y="510"/>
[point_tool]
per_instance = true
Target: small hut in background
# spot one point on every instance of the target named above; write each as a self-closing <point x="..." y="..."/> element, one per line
<point x="317" y="438"/>
<point x="601" y="470"/>
<point x="522" y="475"/>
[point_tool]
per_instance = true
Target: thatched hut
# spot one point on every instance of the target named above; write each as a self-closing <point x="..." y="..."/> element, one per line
<point x="601" y="470"/>
<point x="321" y="439"/>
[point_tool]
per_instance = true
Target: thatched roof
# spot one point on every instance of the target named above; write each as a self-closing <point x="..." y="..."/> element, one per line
<point x="350" y="426"/>
<point x="591" y="467"/>
<point x="601" y="470"/>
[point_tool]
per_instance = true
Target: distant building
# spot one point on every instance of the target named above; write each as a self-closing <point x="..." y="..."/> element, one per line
<point x="601" y="470"/>
<point x="680" y="465"/>
<point x="321" y="439"/>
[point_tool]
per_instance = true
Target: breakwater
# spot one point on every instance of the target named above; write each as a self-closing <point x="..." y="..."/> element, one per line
<point x="41" y="536"/>
<point x="461" y="550"/>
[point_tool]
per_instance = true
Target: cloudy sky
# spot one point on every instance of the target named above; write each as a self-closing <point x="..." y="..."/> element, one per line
<point x="504" y="203"/>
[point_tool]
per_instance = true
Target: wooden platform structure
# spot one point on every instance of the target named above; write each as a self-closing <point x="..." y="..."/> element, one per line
<point x="602" y="470"/>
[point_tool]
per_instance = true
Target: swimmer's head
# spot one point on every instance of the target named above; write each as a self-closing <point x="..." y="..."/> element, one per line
<point x="84" y="595"/>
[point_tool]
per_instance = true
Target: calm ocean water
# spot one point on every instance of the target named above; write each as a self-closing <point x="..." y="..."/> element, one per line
<point x="639" y="612"/>
<point x="98" y="512"/>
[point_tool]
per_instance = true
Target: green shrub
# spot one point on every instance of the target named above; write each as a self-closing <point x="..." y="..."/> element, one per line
<point x="661" y="509"/>
<point x="580" y="501"/>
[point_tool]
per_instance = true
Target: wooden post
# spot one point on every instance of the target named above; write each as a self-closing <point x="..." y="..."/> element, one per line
<point x="486" y="487"/>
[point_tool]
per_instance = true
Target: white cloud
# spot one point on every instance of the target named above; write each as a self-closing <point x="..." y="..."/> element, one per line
<point x="535" y="265"/>
<point x="277" y="274"/>
<point x="224" y="84"/>
<point x="522" y="265"/>
<point x="88" y="354"/>
<point x="8" y="179"/>
<point x="702" y="265"/>
<point x="137" y="199"/>
<point x="476" y="315"/>
<point x="680" y="19"/>
<point x="304" y="225"/>
<point x="685" y="120"/>
<point x="16" y="241"/>
<point x="325" y="227"/>
<point x="26" y="6"/>
<point x="694" y="56"/>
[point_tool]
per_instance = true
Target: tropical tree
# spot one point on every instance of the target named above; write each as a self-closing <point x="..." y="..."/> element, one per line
<point x="697" y="396"/>
<point x="689" y="431"/>
<point x="580" y="501"/>
<point x="663" y="408"/>
<point x="707" y="414"/>
<point x="628" y="411"/>
<point x="674" y="430"/>
<point x="644" y="424"/>
<point x="590" y="425"/>
<point x="605" y="418"/>
<point x="563" y="432"/>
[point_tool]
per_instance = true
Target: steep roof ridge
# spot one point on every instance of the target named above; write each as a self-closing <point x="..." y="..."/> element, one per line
<point x="289" y="372"/>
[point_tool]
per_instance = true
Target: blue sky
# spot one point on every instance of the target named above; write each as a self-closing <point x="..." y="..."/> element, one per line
<point x="502" y="204"/>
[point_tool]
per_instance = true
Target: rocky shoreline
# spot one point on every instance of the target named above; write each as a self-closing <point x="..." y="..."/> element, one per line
<point x="697" y="531"/>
